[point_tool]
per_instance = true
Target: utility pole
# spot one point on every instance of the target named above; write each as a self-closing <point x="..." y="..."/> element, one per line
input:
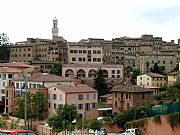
<point x="25" y="106"/>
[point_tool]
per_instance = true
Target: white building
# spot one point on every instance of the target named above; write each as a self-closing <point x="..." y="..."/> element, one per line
<point x="6" y="75"/>
<point x="40" y="80"/>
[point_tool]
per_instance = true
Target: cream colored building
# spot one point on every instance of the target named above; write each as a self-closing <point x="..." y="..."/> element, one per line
<point x="152" y="79"/>
<point x="145" y="62"/>
<point x="83" y="96"/>
<point x="173" y="78"/>
<point x="85" y="53"/>
<point x="90" y="70"/>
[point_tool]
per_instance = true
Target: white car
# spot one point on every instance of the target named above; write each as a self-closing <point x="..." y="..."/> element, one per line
<point x="132" y="131"/>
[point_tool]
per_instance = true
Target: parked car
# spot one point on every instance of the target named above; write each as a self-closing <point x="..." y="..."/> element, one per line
<point x="132" y="131"/>
<point x="102" y="131"/>
<point x="16" y="132"/>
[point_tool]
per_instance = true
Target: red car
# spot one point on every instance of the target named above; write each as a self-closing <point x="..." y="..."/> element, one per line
<point x="16" y="132"/>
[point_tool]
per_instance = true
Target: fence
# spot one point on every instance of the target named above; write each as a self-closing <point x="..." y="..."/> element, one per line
<point x="164" y="109"/>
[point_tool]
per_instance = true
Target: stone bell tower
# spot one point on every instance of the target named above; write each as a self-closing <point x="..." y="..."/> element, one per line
<point x="55" y="30"/>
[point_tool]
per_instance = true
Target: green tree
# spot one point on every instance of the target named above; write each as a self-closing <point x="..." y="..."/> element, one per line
<point x="133" y="73"/>
<point x="157" y="69"/>
<point x="130" y="115"/>
<point x="36" y="106"/>
<point x="4" y="48"/>
<point x="56" y="123"/>
<point x="100" y="83"/>
<point x="95" y="125"/>
<point x="57" y="69"/>
<point x="3" y="124"/>
<point x="66" y="114"/>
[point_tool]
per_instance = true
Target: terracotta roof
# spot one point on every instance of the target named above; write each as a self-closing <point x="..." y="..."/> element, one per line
<point x="130" y="89"/>
<point x="79" y="88"/>
<point x="150" y="87"/>
<point x="16" y="64"/>
<point x="9" y="70"/>
<point x="44" y="77"/>
<point x="155" y="75"/>
<point x="93" y="65"/>
<point x="174" y="73"/>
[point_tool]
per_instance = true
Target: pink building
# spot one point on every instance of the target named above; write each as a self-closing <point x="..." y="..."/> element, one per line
<point x="90" y="70"/>
<point x="83" y="96"/>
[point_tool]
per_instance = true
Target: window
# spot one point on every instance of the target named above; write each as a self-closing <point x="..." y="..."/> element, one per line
<point x="87" y="106"/>
<point x="4" y="77"/>
<point x="75" y="51"/>
<point x="80" y="51"/>
<point x="163" y="62"/>
<point x="9" y="75"/>
<point x="128" y="105"/>
<point x="94" y="96"/>
<point x="80" y="59"/>
<point x="128" y="96"/>
<point x="84" y="59"/>
<point x="2" y="91"/>
<point x="54" y="105"/>
<point x="49" y="96"/>
<point x="4" y="84"/>
<point x="118" y="71"/>
<point x="49" y="105"/>
<point x="113" y="76"/>
<point x="113" y="71"/>
<point x="115" y="103"/>
<point x="17" y="85"/>
<point x="170" y="62"/>
<point x="94" y="52"/>
<point x="98" y="52"/>
<point x="29" y="55"/>
<point x="93" y="105"/>
<point x="54" y="96"/>
<point x="118" y="76"/>
<point x="60" y="97"/>
<point x="84" y="51"/>
<point x="116" y="94"/>
<point x="80" y="97"/>
<point x="87" y="97"/>
<point x="80" y="106"/>
<point x="0" y="75"/>
<point x="73" y="59"/>
<point x="143" y="96"/>
<point x="71" y="51"/>
<point x="140" y="78"/>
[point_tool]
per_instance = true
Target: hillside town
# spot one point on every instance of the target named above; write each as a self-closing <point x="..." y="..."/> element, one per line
<point x="54" y="86"/>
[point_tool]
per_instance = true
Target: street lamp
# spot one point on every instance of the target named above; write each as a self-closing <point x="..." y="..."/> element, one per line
<point x="25" y="106"/>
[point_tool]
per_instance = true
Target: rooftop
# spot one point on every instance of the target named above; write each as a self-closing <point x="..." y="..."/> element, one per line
<point x="16" y="64"/>
<point x="9" y="70"/>
<point x="79" y="88"/>
<point x="155" y="75"/>
<point x="93" y="65"/>
<point x="44" y="77"/>
<point x="130" y="89"/>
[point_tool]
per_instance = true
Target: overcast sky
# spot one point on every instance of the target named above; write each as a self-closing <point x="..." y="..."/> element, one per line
<point x="81" y="19"/>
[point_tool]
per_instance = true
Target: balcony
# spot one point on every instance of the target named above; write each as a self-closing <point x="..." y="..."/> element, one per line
<point x="121" y="99"/>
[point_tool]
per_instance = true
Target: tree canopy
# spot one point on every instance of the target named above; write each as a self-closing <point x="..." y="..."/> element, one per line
<point x="4" y="48"/>
<point x="62" y="120"/>
<point x="57" y="69"/>
<point x="100" y="83"/>
<point x="158" y="69"/>
<point x="36" y="106"/>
